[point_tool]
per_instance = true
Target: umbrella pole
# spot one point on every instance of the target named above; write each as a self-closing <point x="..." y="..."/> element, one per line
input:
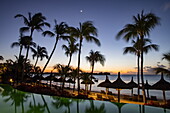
<point x="118" y="95"/>
<point x="132" y="92"/>
<point x="147" y="93"/>
<point x="164" y="96"/>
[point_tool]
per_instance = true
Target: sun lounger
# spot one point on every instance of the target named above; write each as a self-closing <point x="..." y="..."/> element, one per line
<point x="111" y="98"/>
<point x="103" y="92"/>
<point x="153" y="98"/>
<point x="99" y="97"/>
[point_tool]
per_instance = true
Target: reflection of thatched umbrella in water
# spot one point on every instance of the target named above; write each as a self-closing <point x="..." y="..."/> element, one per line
<point x="132" y="85"/>
<point x="105" y="84"/>
<point x="119" y="105"/>
<point x="162" y="85"/>
<point x="119" y="84"/>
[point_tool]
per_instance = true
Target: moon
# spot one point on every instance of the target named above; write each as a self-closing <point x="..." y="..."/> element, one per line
<point x="81" y="11"/>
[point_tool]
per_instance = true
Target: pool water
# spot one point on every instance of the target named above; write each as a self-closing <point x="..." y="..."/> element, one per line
<point x="15" y="101"/>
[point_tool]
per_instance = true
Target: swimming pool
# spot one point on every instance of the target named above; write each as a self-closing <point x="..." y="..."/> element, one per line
<point x="15" y="101"/>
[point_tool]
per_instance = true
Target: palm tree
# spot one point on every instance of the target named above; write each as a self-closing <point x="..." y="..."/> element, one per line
<point x="166" y="56"/>
<point x="59" y="32"/>
<point x="40" y="52"/>
<point x="93" y="58"/>
<point x="35" y="22"/>
<point x="70" y="49"/>
<point x="143" y="24"/>
<point x="63" y="71"/>
<point x="1" y="58"/>
<point x="135" y="49"/>
<point x="24" y="41"/>
<point x="85" y="31"/>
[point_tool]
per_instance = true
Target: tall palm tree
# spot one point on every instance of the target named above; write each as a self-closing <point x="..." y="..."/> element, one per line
<point x="93" y="58"/>
<point x="136" y="49"/>
<point x="24" y="41"/>
<point x="59" y="33"/>
<point x="86" y="31"/>
<point x="40" y="52"/>
<point x="35" y="22"/>
<point x="143" y="24"/>
<point x="70" y="49"/>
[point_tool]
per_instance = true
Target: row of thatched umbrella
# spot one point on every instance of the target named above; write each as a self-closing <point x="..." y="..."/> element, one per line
<point x="120" y="84"/>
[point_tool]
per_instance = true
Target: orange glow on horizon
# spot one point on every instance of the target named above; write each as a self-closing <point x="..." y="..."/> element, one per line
<point x="126" y="71"/>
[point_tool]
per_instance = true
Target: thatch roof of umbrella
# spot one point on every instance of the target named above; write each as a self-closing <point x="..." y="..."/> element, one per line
<point x="162" y="84"/>
<point x="70" y="81"/>
<point x="59" y="80"/>
<point x="147" y="85"/>
<point x="87" y="82"/>
<point x="105" y="83"/>
<point x="119" y="83"/>
<point x="132" y="84"/>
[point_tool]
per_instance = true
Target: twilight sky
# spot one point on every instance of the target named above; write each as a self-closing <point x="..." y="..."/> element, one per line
<point x="109" y="17"/>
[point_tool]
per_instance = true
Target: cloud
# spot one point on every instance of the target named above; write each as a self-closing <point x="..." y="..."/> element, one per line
<point x="166" y="6"/>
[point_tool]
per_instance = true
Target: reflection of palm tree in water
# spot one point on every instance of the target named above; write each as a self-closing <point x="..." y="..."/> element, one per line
<point x="94" y="109"/>
<point x="38" y="108"/>
<point x="17" y="98"/>
<point x="62" y="102"/>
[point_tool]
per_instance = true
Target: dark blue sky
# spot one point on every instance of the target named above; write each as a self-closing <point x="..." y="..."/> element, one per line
<point x="109" y="16"/>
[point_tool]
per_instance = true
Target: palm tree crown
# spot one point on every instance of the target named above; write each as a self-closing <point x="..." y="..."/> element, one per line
<point x="40" y="52"/>
<point x="95" y="57"/>
<point x="141" y="27"/>
<point x="59" y="32"/>
<point x="71" y="48"/>
<point x="35" y="22"/>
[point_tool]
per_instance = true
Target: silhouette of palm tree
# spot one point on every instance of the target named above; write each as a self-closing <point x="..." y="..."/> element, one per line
<point x="94" y="109"/>
<point x="143" y="24"/>
<point x="166" y="56"/>
<point x="39" y="52"/>
<point x="35" y="22"/>
<point x="85" y="31"/>
<point x="63" y="71"/>
<point x="59" y="32"/>
<point x="93" y="58"/>
<point x="136" y="49"/>
<point x="70" y="49"/>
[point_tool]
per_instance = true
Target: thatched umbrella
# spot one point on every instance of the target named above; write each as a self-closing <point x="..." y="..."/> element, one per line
<point x="163" y="85"/>
<point x="105" y="84"/>
<point x="70" y="81"/>
<point x="119" y="84"/>
<point x="132" y="85"/>
<point x="86" y="82"/>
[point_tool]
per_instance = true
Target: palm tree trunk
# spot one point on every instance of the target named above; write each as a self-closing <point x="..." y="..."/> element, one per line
<point x="92" y="74"/>
<point x="142" y="78"/>
<point x="20" y="51"/>
<point x="36" y="62"/>
<point x="50" y="55"/>
<point x="78" y="77"/>
<point x="69" y="60"/>
<point x="138" y="63"/>
<point x="74" y="84"/>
